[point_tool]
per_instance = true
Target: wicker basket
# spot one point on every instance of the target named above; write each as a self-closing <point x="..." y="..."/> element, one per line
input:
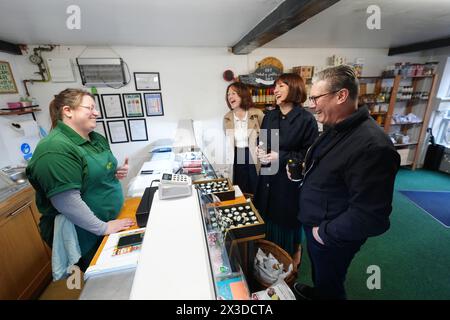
<point x="282" y="256"/>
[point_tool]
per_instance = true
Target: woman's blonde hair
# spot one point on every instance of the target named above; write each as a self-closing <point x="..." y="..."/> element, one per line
<point x="68" y="97"/>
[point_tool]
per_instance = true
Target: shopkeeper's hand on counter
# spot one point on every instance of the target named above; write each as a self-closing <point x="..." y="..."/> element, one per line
<point x="122" y="171"/>
<point x="118" y="225"/>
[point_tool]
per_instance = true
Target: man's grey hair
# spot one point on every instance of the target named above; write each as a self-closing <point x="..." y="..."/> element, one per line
<point x="338" y="78"/>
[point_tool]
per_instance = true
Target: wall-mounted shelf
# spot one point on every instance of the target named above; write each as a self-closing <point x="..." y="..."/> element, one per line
<point x="20" y="111"/>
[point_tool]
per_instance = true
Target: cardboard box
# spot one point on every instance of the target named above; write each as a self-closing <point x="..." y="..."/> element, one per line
<point x="306" y="72"/>
<point x="404" y="155"/>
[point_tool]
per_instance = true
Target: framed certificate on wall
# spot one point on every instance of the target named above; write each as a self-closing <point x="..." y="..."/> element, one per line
<point x="153" y="104"/>
<point x="7" y="82"/>
<point x="117" y="131"/>
<point x="133" y="105"/>
<point x="100" y="128"/>
<point x="98" y="106"/>
<point x="112" y="104"/>
<point x="147" y="81"/>
<point x="138" y="129"/>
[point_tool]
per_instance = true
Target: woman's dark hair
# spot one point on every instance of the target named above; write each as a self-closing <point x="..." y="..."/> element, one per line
<point x="243" y="92"/>
<point x="69" y="97"/>
<point x="297" y="90"/>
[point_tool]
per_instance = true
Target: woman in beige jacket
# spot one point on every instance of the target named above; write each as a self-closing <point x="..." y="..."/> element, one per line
<point x="241" y="125"/>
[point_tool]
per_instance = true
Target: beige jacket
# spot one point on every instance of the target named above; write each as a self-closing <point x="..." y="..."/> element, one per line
<point x="255" y="118"/>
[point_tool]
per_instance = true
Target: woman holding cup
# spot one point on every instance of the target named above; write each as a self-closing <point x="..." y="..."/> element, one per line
<point x="286" y="134"/>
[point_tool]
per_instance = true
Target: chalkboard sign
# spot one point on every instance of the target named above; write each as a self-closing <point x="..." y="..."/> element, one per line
<point x="7" y="83"/>
<point x="265" y="75"/>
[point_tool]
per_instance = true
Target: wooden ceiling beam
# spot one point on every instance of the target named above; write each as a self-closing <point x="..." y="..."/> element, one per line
<point x="287" y="16"/>
<point x="10" y="48"/>
<point x="420" y="46"/>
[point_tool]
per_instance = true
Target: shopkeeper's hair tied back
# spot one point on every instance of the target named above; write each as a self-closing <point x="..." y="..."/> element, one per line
<point x="68" y="97"/>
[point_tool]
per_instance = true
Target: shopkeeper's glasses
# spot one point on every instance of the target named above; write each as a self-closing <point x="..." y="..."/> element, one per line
<point x="313" y="99"/>
<point x="90" y="108"/>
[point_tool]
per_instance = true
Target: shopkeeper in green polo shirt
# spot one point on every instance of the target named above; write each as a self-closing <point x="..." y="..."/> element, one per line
<point x="75" y="174"/>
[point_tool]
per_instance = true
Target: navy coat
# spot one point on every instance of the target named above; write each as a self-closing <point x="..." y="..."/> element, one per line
<point x="348" y="185"/>
<point x="276" y="196"/>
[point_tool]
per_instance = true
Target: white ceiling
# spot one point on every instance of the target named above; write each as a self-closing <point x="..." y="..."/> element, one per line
<point x="218" y="23"/>
<point x="212" y="23"/>
<point x="343" y="25"/>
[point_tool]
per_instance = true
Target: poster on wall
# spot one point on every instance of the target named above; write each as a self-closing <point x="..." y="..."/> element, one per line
<point x="153" y="104"/>
<point x="7" y="82"/>
<point x="112" y="104"/>
<point x="133" y="105"/>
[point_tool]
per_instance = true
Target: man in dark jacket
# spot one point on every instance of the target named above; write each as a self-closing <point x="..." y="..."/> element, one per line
<point x="347" y="187"/>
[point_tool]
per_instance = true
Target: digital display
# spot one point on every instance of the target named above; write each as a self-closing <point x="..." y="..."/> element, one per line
<point x="167" y="176"/>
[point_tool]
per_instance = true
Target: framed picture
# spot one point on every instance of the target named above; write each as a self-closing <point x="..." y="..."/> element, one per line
<point x="100" y="128"/>
<point x="138" y="129"/>
<point x="117" y="131"/>
<point x="147" y="81"/>
<point x="133" y="105"/>
<point x="7" y="82"/>
<point x="99" y="106"/>
<point x="153" y="104"/>
<point x="112" y="105"/>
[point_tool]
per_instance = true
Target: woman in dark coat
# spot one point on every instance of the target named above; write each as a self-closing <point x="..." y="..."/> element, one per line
<point x="286" y="133"/>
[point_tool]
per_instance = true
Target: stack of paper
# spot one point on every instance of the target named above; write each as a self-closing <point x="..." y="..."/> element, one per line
<point x="111" y="259"/>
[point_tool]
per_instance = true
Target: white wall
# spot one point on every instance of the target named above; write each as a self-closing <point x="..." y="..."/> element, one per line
<point x="191" y="82"/>
<point x="7" y="135"/>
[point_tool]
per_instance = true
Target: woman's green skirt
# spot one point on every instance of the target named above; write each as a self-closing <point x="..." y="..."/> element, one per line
<point x="286" y="238"/>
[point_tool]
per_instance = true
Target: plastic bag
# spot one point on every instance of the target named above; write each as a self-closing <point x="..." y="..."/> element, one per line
<point x="268" y="269"/>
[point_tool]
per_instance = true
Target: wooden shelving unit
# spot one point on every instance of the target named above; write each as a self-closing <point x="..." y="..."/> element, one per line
<point x="408" y="105"/>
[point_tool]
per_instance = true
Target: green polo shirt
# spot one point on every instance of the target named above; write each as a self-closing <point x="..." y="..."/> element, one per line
<point x="59" y="165"/>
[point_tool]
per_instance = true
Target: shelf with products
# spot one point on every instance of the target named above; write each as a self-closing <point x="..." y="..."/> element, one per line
<point x="262" y="95"/>
<point x="410" y="100"/>
<point x="394" y="99"/>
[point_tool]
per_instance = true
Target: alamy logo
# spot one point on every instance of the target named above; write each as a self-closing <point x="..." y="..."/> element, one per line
<point x="373" y="22"/>
<point x="74" y="280"/>
<point x="74" y="20"/>
<point x="374" y="280"/>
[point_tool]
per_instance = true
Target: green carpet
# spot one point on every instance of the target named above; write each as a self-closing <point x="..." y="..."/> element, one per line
<point x="413" y="255"/>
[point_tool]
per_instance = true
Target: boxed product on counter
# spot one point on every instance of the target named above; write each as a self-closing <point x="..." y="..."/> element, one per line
<point x="239" y="221"/>
<point x="222" y="188"/>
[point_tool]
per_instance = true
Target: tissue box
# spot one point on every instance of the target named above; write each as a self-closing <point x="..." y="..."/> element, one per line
<point x="14" y="105"/>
